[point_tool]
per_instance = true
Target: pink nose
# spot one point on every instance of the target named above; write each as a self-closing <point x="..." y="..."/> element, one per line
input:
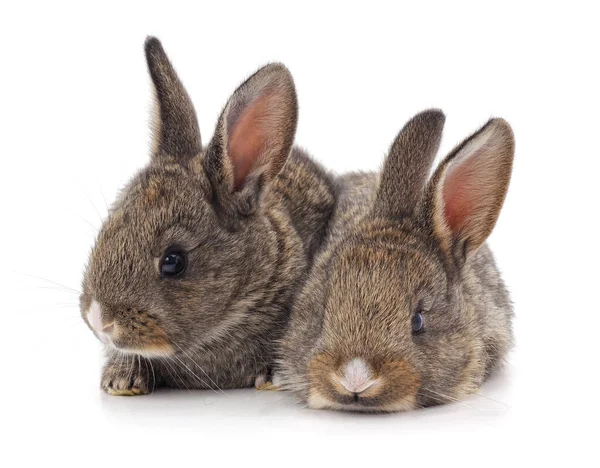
<point x="94" y="317"/>
<point x="357" y="376"/>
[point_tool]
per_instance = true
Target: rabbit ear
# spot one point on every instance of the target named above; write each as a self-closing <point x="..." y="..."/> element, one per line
<point x="408" y="163"/>
<point x="175" y="126"/>
<point x="255" y="132"/>
<point x="465" y="195"/>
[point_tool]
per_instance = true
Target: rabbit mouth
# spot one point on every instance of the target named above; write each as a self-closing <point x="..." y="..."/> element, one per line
<point x="362" y="384"/>
<point x="136" y="333"/>
<point x="153" y="348"/>
<point x="146" y="341"/>
<point x="317" y="400"/>
<point x="374" y="398"/>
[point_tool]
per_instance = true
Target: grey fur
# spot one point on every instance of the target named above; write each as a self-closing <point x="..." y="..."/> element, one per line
<point x="394" y="254"/>
<point x="250" y="218"/>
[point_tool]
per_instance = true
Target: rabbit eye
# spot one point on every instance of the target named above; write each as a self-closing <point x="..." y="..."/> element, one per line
<point x="417" y="322"/>
<point x="172" y="264"/>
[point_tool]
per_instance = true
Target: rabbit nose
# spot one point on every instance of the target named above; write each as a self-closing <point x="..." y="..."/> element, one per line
<point x="94" y="316"/>
<point x="357" y="376"/>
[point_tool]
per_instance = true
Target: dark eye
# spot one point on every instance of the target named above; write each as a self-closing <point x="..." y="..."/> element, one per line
<point x="417" y="322"/>
<point x="172" y="264"/>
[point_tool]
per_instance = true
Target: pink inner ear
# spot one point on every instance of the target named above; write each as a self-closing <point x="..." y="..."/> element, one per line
<point x="248" y="139"/>
<point x="473" y="185"/>
<point x="464" y="186"/>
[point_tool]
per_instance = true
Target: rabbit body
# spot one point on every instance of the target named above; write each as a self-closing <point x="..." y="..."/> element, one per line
<point x="192" y="275"/>
<point x="405" y="254"/>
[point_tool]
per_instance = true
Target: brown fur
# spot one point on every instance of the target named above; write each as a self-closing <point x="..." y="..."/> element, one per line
<point x="248" y="210"/>
<point x="407" y="247"/>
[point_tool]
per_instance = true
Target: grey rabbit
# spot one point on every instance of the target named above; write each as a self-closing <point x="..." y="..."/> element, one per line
<point x="405" y="307"/>
<point x="191" y="277"/>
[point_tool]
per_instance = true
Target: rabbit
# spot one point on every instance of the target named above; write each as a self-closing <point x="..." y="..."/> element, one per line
<point x="191" y="277"/>
<point x="404" y="307"/>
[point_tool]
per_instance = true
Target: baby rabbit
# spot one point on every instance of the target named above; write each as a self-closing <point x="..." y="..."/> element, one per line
<point x="191" y="277"/>
<point x="405" y="307"/>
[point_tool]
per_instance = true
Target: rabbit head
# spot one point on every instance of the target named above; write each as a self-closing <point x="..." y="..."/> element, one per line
<point x="184" y="251"/>
<point x="397" y="328"/>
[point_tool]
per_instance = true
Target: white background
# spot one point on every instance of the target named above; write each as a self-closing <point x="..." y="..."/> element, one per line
<point x="74" y="96"/>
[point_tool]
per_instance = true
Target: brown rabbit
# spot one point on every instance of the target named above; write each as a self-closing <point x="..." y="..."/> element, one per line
<point x="190" y="280"/>
<point x="405" y="307"/>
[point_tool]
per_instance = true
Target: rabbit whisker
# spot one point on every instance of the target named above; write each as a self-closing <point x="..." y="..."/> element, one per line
<point x="104" y="199"/>
<point x="149" y="364"/>
<point x="193" y="373"/>
<point x="94" y="228"/>
<point x="168" y="363"/>
<point x="200" y="367"/>
<point x="95" y="208"/>
<point x="441" y="397"/>
<point x="50" y="281"/>
<point x="492" y="400"/>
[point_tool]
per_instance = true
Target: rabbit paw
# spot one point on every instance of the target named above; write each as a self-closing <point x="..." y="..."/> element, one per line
<point x="118" y="380"/>
<point x="265" y="382"/>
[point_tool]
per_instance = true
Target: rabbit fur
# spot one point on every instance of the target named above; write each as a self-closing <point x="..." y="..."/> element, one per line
<point x="405" y="250"/>
<point x="248" y="212"/>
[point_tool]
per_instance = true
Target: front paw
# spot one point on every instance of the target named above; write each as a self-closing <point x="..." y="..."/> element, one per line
<point x="267" y="382"/>
<point x="123" y="381"/>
